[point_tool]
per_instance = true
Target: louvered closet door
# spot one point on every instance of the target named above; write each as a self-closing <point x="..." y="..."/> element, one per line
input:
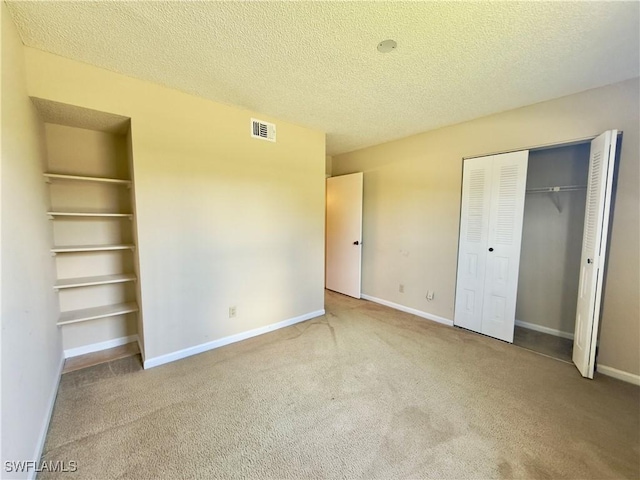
<point x="508" y="188"/>
<point x="594" y="243"/>
<point x="493" y="190"/>
<point x="474" y="229"/>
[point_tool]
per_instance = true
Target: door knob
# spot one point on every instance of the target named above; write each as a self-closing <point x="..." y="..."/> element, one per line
<point x="589" y="260"/>
<point x="356" y="242"/>
<point x="491" y="249"/>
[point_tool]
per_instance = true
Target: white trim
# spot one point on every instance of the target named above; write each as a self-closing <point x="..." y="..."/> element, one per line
<point x="544" y="146"/>
<point x="96" y="347"/>
<point x="413" y="311"/>
<point x="619" y="374"/>
<point x="540" y="328"/>
<point x="47" y="419"/>
<point x="140" y="348"/>
<point x="203" y="347"/>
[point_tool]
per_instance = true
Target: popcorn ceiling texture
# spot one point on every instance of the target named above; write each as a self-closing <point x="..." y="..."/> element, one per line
<point x="70" y="115"/>
<point x="316" y="64"/>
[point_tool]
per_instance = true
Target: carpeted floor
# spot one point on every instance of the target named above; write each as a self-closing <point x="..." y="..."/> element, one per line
<point x="363" y="392"/>
<point x="556" y="347"/>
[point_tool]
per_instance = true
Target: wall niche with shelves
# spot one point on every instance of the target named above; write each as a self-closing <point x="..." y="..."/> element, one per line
<point x="92" y="216"/>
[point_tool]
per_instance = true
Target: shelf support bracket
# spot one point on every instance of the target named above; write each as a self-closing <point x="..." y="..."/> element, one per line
<point x="555" y="198"/>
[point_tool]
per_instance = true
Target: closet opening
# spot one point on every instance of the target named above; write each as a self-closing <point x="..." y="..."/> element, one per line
<point x="552" y="236"/>
<point x="532" y="252"/>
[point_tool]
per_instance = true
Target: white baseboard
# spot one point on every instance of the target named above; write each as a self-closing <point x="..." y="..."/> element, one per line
<point x="413" y="311"/>
<point x="96" y="347"/>
<point x="47" y="419"/>
<point x="619" y="374"/>
<point x="187" y="352"/>
<point x="540" y="328"/>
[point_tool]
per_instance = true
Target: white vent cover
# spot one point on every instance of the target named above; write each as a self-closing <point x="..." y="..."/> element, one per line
<point x="264" y="130"/>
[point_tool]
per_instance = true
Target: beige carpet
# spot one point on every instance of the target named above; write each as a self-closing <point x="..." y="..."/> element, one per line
<point x="364" y="392"/>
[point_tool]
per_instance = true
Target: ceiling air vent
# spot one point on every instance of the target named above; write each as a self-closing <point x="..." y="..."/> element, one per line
<point x="264" y="130"/>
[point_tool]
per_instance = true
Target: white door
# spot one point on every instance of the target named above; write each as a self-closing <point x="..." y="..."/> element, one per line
<point x="493" y="195"/>
<point x="472" y="249"/>
<point x="344" y="234"/>
<point x="594" y="244"/>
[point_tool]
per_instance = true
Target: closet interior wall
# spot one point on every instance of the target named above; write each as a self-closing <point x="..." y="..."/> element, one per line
<point x="552" y="239"/>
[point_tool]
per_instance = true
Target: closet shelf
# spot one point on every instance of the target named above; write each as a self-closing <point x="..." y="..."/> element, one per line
<point x="86" y="314"/>
<point x="90" y="248"/>
<point x="554" y="191"/>
<point x="559" y="188"/>
<point x="90" y="281"/>
<point x="90" y="214"/>
<point x="64" y="177"/>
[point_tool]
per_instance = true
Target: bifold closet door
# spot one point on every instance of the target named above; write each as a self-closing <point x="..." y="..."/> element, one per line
<point x="493" y="192"/>
<point x="594" y="245"/>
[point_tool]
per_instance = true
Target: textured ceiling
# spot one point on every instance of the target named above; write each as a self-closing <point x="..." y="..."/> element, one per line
<point x="72" y="116"/>
<point x="316" y="63"/>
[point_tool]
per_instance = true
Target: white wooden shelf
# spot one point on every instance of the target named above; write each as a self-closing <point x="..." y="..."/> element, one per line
<point x="98" y="280"/>
<point x="90" y="248"/>
<point x="90" y="214"/>
<point x="86" y="314"/>
<point x="78" y="178"/>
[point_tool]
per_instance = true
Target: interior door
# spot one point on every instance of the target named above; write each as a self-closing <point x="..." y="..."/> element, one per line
<point x="344" y="234"/>
<point x="489" y="248"/>
<point x="594" y="244"/>
<point x="474" y="230"/>
<point x="509" y="186"/>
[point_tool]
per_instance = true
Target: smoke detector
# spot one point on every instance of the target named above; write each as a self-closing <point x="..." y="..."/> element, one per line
<point x="387" y="46"/>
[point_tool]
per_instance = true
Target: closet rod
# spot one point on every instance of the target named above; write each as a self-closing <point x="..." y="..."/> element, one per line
<point x="560" y="188"/>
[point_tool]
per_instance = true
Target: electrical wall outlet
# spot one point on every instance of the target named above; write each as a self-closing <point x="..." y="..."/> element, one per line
<point x="401" y="288"/>
<point x="232" y="312"/>
<point x="430" y="294"/>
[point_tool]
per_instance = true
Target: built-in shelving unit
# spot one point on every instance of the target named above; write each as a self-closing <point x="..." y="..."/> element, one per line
<point x="93" y="222"/>
<point x="97" y="280"/>
<point x="94" y="313"/>
<point x="90" y="215"/>
<point x="64" y="177"/>
<point x="90" y="248"/>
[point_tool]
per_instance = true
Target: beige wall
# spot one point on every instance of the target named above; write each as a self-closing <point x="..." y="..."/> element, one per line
<point x="223" y="219"/>
<point x="412" y="205"/>
<point x="31" y="345"/>
<point x="327" y="165"/>
<point x="552" y="239"/>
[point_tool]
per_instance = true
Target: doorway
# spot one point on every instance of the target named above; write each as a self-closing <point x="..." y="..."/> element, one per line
<point x="343" y="241"/>
<point x="552" y="234"/>
<point x="491" y="191"/>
